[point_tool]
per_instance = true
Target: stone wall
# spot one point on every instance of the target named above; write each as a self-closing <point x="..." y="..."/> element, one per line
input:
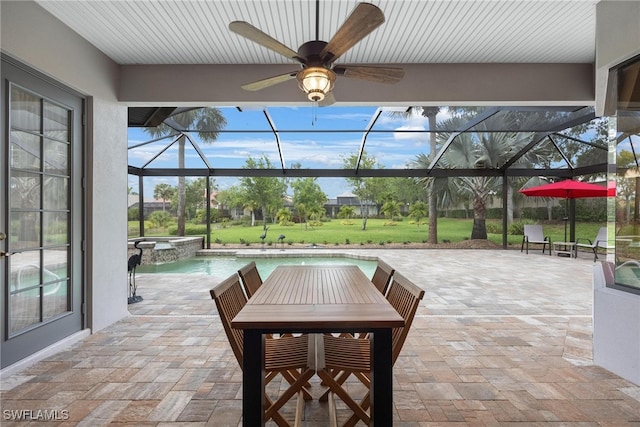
<point x="157" y="250"/>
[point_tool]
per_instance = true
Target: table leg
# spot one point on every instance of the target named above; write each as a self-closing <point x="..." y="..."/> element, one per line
<point x="253" y="379"/>
<point x="382" y="378"/>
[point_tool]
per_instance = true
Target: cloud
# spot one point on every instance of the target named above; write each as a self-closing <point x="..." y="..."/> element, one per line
<point x="411" y="133"/>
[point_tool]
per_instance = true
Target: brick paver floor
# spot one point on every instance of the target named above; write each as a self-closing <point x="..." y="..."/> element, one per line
<point x="500" y="339"/>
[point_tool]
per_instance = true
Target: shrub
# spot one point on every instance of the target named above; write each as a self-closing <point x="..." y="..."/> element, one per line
<point x="517" y="227"/>
<point x="189" y="230"/>
<point x="160" y="219"/>
<point x="493" y="228"/>
<point x="133" y="214"/>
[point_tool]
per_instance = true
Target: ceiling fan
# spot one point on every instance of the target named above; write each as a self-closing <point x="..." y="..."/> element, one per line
<point x="317" y="57"/>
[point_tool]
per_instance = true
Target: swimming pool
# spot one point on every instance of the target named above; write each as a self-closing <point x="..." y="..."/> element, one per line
<point x="223" y="266"/>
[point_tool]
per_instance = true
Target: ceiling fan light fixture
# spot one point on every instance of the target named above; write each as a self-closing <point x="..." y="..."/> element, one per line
<point x="316" y="82"/>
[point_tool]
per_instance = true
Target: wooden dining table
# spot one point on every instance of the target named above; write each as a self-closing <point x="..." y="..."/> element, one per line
<point x="317" y="299"/>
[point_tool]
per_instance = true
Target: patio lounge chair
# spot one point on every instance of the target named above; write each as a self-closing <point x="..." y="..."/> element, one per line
<point x="599" y="242"/>
<point x="533" y="234"/>
<point x="292" y="357"/>
<point x="340" y="357"/>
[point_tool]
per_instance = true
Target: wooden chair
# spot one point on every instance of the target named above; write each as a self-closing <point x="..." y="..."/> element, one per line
<point x="382" y="276"/>
<point x="250" y="278"/>
<point x="292" y="357"/>
<point x="340" y="357"/>
<point x="381" y="279"/>
<point x="533" y="234"/>
<point x="599" y="242"/>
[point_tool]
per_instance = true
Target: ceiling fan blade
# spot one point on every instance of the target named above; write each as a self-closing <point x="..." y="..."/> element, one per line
<point x="372" y="74"/>
<point x="256" y="35"/>
<point x="269" y="81"/>
<point x="329" y="99"/>
<point x="363" y="20"/>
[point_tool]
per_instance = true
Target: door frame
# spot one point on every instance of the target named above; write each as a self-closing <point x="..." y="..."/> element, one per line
<point x="42" y="335"/>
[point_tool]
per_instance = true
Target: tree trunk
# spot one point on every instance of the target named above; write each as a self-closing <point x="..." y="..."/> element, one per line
<point x="433" y="216"/>
<point x="182" y="190"/>
<point x="479" y="218"/>
<point x="433" y="195"/>
<point x="509" y="203"/>
<point x="636" y="203"/>
<point x="479" y="229"/>
<point x="365" y="212"/>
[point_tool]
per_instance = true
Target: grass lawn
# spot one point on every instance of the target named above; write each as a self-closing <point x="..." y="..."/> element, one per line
<point x="378" y="232"/>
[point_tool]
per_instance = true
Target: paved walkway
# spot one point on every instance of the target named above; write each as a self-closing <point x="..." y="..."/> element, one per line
<point x="501" y="338"/>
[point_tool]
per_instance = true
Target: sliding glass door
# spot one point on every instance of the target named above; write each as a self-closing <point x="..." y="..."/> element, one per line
<point x="41" y="215"/>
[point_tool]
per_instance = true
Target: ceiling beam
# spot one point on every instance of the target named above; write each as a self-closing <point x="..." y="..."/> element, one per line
<point x="423" y="84"/>
<point x="366" y="173"/>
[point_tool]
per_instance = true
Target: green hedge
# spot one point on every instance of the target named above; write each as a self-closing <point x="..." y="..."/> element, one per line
<point x="189" y="230"/>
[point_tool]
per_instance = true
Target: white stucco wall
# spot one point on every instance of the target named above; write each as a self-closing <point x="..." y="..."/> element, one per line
<point x="33" y="36"/>
<point x="616" y="314"/>
<point x="616" y="329"/>
<point x="617" y="40"/>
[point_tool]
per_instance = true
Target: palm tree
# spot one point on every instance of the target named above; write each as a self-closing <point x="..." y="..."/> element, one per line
<point x="164" y="192"/>
<point x="391" y="209"/>
<point x="430" y="113"/>
<point x="207" y="123"/>
<point x="418" y="210"/>
<point x="346" y="212"/>
<point x="492" y="149"/>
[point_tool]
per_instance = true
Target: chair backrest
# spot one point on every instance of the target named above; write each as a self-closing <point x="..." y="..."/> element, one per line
<point x="230" y="299"/>
<point x="250" y="278"/>
<point x="534" y="232"/>
<point x="601" y="238"/>
<point x="405" y="297"/>
<point x="382" y="276"/>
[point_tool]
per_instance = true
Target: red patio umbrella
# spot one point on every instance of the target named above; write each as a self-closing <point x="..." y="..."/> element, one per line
<point x="568" y="189"/>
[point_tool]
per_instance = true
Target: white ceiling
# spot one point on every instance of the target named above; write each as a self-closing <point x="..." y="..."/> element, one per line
<point x="417" y="31"/>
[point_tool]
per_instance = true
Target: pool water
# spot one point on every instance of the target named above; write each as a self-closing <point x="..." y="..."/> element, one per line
<point x="223" y="266"/>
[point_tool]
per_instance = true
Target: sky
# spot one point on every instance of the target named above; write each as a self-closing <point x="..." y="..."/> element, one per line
<point x="313" y="137"/>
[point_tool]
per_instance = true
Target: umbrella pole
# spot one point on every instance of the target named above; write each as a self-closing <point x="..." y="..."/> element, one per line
<point x="566" y="217"/>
